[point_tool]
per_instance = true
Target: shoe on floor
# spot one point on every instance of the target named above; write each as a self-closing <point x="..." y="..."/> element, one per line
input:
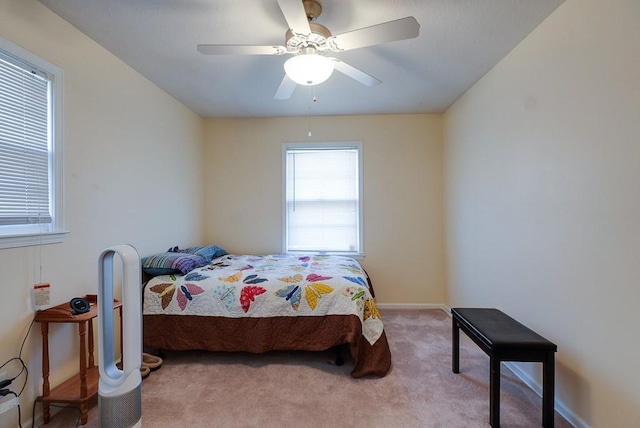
<point x="145" y="372"/>
<point x="151" y="361"/>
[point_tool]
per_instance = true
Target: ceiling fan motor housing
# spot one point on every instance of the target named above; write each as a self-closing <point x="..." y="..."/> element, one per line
<point x="313" y="9"/>
<point x="317" y="38"/>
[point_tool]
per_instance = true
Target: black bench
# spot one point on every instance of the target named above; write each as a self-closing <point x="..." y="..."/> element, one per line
<point x="504" y="339"/>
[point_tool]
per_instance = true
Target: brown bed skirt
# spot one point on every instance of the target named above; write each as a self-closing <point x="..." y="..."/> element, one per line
<point x="258" y="335"/>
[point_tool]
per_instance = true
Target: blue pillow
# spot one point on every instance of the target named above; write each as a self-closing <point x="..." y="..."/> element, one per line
<point x="171" y="263"/>
<point x="207" y="252"/>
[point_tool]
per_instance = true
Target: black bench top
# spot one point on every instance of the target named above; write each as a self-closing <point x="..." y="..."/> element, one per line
<point x="499" y="331"/>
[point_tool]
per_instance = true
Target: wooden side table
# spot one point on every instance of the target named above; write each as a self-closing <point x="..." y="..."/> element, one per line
<point x="84" y="386"/>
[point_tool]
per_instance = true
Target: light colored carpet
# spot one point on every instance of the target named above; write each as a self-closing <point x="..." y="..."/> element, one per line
<point x="305" y="389"/>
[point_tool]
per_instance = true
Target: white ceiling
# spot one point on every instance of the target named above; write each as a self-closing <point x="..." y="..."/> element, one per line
<point x="459" y="41"/>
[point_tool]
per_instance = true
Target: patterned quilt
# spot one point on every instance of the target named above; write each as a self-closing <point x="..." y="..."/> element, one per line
<point x="238" y="286"/>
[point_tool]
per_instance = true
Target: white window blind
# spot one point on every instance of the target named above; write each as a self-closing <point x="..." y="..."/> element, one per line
<point x="323" y="199"/>
<point x="31" y="149"/>
<point x="24" y="144"/>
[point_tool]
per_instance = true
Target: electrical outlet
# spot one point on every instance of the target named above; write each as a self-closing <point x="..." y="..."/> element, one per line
<point x="9" y="404"/>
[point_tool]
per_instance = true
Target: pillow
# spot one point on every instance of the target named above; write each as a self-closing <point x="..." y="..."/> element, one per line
<point x="171" y="263"/>
<point x="207" y="252"/>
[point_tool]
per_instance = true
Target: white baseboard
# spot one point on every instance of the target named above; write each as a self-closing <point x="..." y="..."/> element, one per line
<point x="412" y="306"/>
<point x="560" y="407"/>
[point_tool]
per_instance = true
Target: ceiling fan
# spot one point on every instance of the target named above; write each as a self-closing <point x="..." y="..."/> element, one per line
<point x="310" y="42"/>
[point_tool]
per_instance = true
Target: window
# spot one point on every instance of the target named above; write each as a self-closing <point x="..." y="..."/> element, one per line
<point x="323" y="198"/>
<point x="30" y="149"/>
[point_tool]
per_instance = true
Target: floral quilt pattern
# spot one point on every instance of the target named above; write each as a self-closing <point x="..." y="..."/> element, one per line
<point x="267" y="286"/>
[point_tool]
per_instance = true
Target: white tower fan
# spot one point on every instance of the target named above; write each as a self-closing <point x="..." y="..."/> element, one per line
<point x="120" y="391"/>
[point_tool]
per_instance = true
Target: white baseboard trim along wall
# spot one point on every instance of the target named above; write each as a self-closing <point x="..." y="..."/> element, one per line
<point x="413" y="306"/>
<point x="560" y="407"/>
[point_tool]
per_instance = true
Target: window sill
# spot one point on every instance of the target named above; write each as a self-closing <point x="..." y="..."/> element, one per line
<point x="15" y="241"/>
<point x="355" y="256"/>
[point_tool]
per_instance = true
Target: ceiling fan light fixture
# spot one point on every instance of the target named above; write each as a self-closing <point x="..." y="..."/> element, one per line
<point x="308" y="69"/>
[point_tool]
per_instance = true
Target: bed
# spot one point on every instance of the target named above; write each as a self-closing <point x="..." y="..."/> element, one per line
<point x="262" y="303"/>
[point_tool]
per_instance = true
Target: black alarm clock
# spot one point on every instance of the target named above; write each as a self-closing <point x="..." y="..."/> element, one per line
<point x="79" y="306"/>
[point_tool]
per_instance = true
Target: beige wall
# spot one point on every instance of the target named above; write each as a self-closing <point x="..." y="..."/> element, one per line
<point x="133" y="169"/>
<point x="543" y="203"/>
<point x="402" y="193"/>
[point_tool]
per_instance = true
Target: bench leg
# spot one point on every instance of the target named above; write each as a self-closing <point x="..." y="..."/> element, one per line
<point x="548" y="390"/>
<point x="494" y="392"/>
<point x="455" y="361"/>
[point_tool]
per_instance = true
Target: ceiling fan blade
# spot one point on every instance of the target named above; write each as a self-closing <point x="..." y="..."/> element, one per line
<point x="286" y="88"/>
<point x="354" y="73"/>
<point x="296" y="17"/>
<point x="241" y="50"/>
<point x="391" y="31"/>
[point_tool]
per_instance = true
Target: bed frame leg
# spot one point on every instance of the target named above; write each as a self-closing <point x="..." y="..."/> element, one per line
<point x="159" y="352"/>
<point x="339" y="359"/>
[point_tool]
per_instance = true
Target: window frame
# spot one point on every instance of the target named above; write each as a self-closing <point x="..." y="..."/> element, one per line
<point x="358" y="146"/>
<point x="38" y="234"/>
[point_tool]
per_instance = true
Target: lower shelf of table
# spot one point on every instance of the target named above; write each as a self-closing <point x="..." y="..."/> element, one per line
<point x="69" y="391"/>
